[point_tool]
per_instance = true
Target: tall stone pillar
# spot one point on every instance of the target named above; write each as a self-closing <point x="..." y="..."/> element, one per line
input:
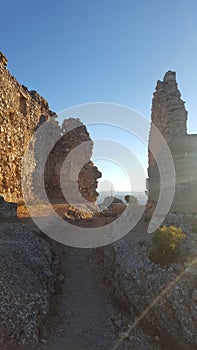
<point x="170" y="116"/>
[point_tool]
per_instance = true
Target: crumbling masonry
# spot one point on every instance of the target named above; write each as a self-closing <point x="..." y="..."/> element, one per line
<point x="22" y="112"/>
<point x="170" y="116"/>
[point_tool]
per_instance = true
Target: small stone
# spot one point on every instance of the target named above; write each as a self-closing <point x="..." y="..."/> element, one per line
<point x="124" y="335"/>
<point x="117" y="323"/>
<point x="114" y="317"/>
<point x="151" y="277"/>
<point x="192" y="271"/>
<point x="60" y="278"/>
<point x="157" y="338"/>
<point x="56" y="262"/>
<point x="43" y="341"/>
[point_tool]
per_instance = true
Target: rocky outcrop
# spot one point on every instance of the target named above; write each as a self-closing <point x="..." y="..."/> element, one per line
<point x="22" y="112"/>
<point x="169" y="116"/>
<point x="26" y="283"/>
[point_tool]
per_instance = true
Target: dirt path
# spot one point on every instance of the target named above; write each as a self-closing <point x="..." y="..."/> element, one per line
<point x="82" y="316"/>
<point x="81" y="319"/>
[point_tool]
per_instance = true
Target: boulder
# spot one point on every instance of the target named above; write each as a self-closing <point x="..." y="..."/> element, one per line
<point x="118" y="208"/>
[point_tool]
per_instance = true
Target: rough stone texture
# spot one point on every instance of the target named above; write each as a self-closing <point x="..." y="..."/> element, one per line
<point x="73" y="214"/>
<point x="22" y="114"/>
<point x="8" y="210"/>
<point x="71" y="155"/>
<point x="118" y="208"/>
<point x="169" y="116"/>
<point x="163" y="299"/>
<point x="3" y="59"/>
<point x="26" y="282"/>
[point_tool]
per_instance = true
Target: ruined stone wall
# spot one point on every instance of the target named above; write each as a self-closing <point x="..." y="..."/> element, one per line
<point x="22" y="112"/>
<point x="71" y="156"/>
<point x="170" y="116"/>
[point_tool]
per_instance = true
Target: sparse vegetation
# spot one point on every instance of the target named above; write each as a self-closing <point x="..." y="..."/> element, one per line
<point x="164" y="249"/>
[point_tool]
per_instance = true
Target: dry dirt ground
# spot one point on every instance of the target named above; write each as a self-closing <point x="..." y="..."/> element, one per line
<point x="82" y="316"/>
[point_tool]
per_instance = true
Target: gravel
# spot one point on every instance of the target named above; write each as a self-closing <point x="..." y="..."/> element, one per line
<point x="26" y="283"/>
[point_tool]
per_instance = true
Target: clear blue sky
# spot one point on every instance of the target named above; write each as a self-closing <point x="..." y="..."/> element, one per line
<point x="80" y="51"/>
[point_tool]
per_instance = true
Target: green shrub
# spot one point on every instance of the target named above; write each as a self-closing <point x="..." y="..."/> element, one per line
<point x="164" y="248"/>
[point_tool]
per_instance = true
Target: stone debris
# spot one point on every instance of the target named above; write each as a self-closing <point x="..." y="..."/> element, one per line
<point x="78" y="212"/>
<point x="26" y="283"/>
<point x="169" y="294"/>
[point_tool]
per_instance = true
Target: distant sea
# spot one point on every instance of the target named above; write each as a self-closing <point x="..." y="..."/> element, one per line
<point x="142" y="198"/>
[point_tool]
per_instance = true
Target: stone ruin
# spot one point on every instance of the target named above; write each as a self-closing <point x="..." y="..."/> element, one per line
<point x="22" y="112"/>
<point x="74" y="146"/>
<point x="170" y="116"/>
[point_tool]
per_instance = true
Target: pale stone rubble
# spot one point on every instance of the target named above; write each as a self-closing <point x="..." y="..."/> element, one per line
<point x="168" y="295"/>
<point x="27" y="280"/>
